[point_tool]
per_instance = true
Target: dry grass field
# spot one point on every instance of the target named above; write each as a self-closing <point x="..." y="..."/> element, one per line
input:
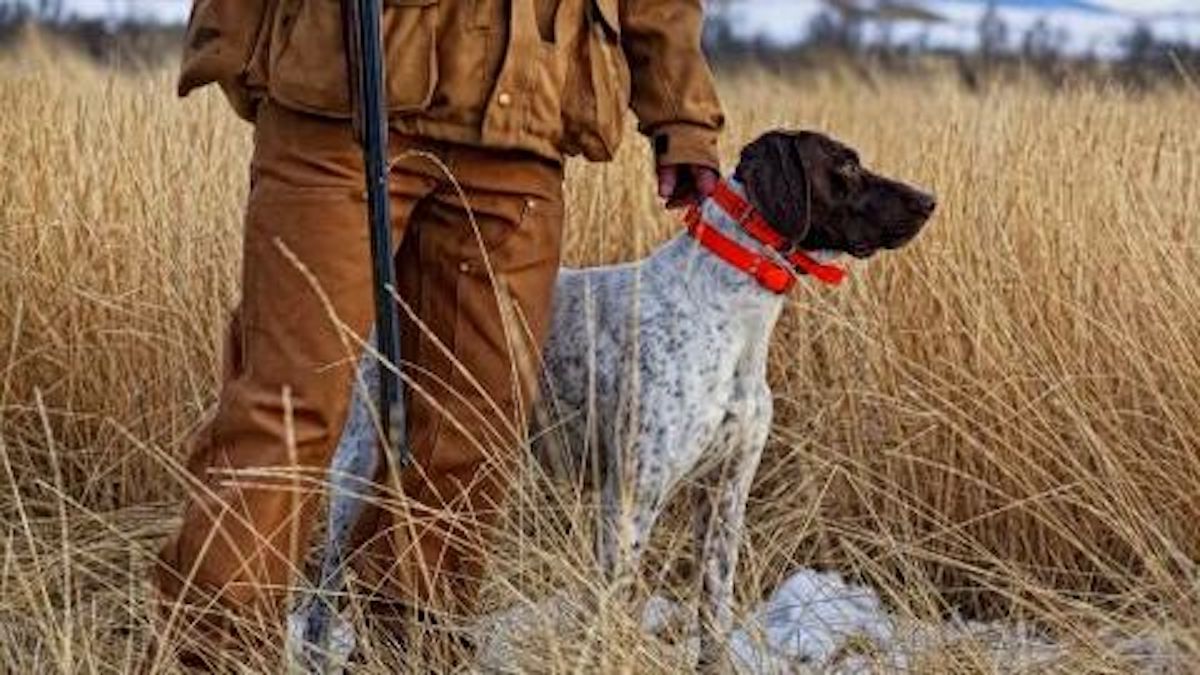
<point x="1001" y="422"/>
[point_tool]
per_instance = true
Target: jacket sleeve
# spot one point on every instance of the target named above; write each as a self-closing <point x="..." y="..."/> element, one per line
<point x="219" y="43"/>
<point x="674" y="95"/>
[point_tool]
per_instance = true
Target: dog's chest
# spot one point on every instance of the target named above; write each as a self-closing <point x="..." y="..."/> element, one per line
<point x="743" y="414"/>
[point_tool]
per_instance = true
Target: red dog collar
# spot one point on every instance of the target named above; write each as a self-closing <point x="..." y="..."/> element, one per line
<point x="767" y="272"/>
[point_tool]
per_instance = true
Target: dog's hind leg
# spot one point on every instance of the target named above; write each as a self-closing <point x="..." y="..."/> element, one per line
<point x="317" y="634"/>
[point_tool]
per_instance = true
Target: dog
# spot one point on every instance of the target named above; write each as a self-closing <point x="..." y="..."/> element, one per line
<point x="655" y="371"/>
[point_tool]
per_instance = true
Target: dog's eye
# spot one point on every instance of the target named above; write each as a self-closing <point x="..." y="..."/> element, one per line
<point x="838" y="185"/>
<point x="843" y="180"/>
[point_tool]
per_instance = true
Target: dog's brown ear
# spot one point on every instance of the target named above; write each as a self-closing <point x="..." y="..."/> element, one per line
<point x="777" y="182"/>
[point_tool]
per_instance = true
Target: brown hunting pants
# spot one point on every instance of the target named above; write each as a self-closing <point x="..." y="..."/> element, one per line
<point x="256" y="465"/>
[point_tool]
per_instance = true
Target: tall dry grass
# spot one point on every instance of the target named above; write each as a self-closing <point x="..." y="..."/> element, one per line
<point x="1000" y="421"/>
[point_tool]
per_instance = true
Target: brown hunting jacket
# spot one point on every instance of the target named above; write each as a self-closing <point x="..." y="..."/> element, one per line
<point x="550" y="76"/>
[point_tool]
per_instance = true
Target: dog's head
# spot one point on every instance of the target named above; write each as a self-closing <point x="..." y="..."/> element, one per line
<point x="815" y="192"/>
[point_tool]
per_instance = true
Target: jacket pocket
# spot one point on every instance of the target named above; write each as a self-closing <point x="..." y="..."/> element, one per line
<point x="308" y="63"/>
<point x="597" y="87"/>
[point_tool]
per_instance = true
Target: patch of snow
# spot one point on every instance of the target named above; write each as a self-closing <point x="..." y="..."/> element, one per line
<point x="817" y="620"/>
<point x="660" y="614"/>
<point x="808" y="620"/>
<point x="814" y="621"/>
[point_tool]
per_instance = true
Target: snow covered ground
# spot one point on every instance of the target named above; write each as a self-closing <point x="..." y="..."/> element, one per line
<point x="816" y="622"/>
<point x="1097" y="27"/>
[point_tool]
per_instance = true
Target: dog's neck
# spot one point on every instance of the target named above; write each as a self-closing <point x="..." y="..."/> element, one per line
<point x="714" y="279"/>
<point x="709" y="279"/>
<point x="716" y="216"/>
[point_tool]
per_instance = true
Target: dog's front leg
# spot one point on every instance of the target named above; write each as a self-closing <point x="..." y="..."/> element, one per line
<point x="636" y="486"/>
<point x="719" y="511"/>
<point x="629" y="509"/>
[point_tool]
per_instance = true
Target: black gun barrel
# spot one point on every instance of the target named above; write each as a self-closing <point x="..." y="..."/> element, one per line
<point x="372" y="124"/>
<point x="364" y="51"/>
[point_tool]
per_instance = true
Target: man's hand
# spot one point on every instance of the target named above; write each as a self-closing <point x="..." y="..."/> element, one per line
<point x="686" y="184"/>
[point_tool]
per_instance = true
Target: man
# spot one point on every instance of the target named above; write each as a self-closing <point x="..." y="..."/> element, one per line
<point x="497" y="91"/>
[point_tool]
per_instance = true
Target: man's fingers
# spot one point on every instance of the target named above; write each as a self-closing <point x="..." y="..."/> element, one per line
<point x="706" y="180"/>
<point x="668" y="178"/>
<point x="685" y="184"/>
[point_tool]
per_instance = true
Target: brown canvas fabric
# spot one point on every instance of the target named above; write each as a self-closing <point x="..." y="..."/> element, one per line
<point x="256" y="464"/>
<point x="553" y="77"/>
<point x="499" y="91"/>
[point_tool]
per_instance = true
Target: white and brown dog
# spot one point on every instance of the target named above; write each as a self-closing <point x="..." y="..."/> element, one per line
<point x="656" y="371"/>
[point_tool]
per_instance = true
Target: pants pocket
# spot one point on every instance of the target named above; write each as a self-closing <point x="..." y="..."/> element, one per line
<point x="504" y="302"/>
<point x="489" y="309"/>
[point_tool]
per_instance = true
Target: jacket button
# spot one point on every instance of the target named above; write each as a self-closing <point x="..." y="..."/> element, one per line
<point x="464" y="267"/>
<point x="504" y="99"/>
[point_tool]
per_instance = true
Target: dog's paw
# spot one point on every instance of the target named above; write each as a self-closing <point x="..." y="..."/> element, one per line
<point x="305" y="657"/>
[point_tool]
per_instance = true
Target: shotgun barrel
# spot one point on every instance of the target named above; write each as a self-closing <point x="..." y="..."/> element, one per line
<point x="371" y="122"/>
<point x="362" y="22"/>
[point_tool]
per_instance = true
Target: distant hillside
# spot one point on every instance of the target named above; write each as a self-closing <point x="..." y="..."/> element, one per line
<point x="1079" y="5"/>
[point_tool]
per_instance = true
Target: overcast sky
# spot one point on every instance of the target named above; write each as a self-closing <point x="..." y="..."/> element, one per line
<point x="784" y="20"/>
<point x="178" y="8"/>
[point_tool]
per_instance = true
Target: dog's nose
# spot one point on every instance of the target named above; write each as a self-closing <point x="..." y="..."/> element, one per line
<point x="924" y="204"/>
